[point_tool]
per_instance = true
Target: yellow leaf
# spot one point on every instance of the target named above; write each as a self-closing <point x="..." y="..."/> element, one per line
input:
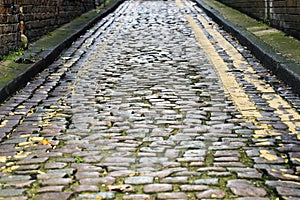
<point x="263" y="144"/>
<point x="40" y="172"/>
<point x="46" y="124"/>
<point x="8" y="135"/>
<point x="24" y="143"/>
<point x="22" y="155"/>
<point x="10" y="164"/>
<point x="36" y="139"/>
<point x="2" y="159"/>
<point x="15" y="167"/>
<point x="3" y="123"/>
<point x="30" y="112"/>
<point x="10" y="169"/>
<point x="61" y="115"/>
<point x="109" y="124"/>
<point x="45" y="142"/>
<point x="21" y="121"/>
<point x="25" y="135"/>
<point x="20" y="113"/>
<point x="266" y="154"/>
<point x="296" y="159"/>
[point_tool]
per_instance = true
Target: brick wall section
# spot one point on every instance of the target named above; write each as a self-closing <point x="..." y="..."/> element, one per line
<point x="39" y="16"/>
<point x="282" y="14"/>
<point x="8" y="27"/>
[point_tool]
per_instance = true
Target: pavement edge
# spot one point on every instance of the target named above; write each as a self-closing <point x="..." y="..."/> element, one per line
<point x="286" y="70"/>
<point x="22" y="79"/>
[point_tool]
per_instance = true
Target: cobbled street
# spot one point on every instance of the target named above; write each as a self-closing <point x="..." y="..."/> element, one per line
<point x="154" y="102"/>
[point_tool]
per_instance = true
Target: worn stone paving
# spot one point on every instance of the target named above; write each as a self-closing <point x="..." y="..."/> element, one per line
<point x="139" y="108"/>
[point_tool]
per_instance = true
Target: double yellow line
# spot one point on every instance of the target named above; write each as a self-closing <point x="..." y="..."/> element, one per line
<point x="287" y="114"/>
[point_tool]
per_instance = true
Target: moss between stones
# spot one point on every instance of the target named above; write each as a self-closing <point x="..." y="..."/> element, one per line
<point x="10" y="69"/>
<point x="282" y="43"/>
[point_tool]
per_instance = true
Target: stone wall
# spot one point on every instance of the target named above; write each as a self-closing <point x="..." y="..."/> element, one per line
<point x="38" y="16"/>
<point x="282" y="14"/>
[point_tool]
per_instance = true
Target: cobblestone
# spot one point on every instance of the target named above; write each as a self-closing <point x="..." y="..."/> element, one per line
<point x="141" y="99"/>
<point x="155" y="188"/>
<point x="244" y="188"/>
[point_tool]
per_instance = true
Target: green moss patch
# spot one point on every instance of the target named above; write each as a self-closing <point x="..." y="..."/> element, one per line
<point x="285" y="45"/>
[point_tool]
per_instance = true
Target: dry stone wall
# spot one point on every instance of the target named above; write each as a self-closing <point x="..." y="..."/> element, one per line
<point x="282" y="14"/>
<point x="38" y="16"/>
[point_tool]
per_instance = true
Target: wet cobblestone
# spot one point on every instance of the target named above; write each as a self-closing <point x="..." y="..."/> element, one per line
<point x="136" y="109"/>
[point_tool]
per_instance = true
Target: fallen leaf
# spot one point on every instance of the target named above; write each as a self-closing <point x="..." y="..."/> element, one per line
<point x="9" y="169"/>
<point x="22" y="155"/>
<point x="267" y="155"/>
<point x="8" y="135"/>
<point x="25" y="135"/>
<point x="109" y="124"/>
<point x="45" y="142"/>
<point x="2" y="158"/>
<point x="3" y="123"/>
<point x="36" y="139"/>
<point x="40" y="172"/>
<point x="24" y="144"/>
<point x="120" y="188"/>
<point x="296" y="159"/>
<point x="291" y="176"/>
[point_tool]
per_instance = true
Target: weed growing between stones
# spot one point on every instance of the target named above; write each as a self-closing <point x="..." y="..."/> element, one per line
<point x="209" y="159"/>
<point x="12" y="56"/>
<point x="245" y="159"/>
<point x="33" y="190"/>
<point x="223" y="182"/>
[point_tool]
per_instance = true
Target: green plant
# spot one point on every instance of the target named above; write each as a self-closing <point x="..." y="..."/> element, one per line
<point x="13" y="55"/>
<point x="78" y="160"/>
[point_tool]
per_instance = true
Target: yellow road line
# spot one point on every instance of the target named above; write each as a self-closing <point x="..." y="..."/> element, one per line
<point x="287" y="114"/>
<point x="247" y="108"/>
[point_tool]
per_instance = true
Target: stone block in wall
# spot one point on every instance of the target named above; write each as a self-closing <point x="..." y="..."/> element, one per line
<point x="4" y="10"/>
<point x="12" y="18"/>
<point x="8" y="28"/>
<point x="292" y="3"/>
<point x="278" y="10"/>
<point x="283" y="14"/>
<point x="27" y="17"/>
<point x="3" y="19"/>
<point x="39" y="16"/>
<point x="10" y="38"/>
<point x="7" y="2"/>
<point x="34" y="25"/>
<point x="293" y="10"/>
<point x="278" y="4"/>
